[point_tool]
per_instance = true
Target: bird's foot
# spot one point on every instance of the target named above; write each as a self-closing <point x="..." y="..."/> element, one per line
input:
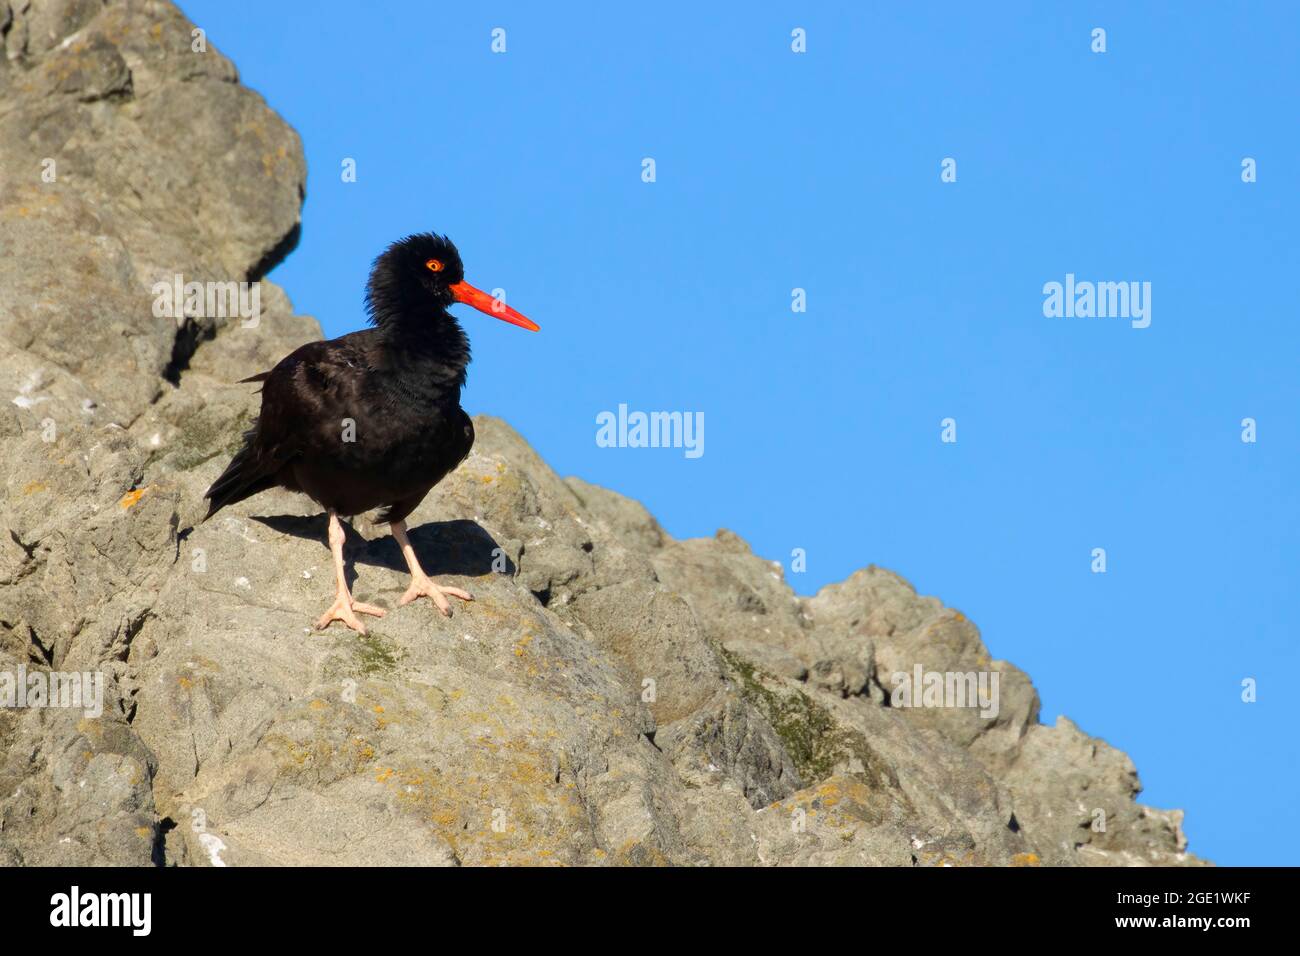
<point x="424" y="587"/>
<point x="345" y="609"/>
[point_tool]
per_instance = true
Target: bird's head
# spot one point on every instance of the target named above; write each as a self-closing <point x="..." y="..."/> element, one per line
<point x="419" y="277"/>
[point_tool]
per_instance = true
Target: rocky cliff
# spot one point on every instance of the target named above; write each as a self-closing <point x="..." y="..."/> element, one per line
<point x="612" y="696"/>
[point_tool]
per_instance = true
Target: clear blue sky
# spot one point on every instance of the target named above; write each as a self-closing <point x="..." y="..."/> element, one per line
<point x="822" y="171"/>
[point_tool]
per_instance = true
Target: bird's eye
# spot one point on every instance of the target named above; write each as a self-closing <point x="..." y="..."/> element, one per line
<point x="434" y="265"/>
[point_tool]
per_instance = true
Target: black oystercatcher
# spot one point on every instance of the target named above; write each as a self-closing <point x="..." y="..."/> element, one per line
<point x="372" y="418"/>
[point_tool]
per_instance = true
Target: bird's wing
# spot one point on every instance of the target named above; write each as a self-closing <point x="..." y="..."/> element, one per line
<point x="305" y="399"/>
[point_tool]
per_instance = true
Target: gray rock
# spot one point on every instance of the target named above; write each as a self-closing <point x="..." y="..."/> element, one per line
<point x="102" y="199"/>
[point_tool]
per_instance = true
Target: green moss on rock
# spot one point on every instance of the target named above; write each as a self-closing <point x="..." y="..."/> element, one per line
<point x="375" y="655"/>
<point x="816" y="743"/>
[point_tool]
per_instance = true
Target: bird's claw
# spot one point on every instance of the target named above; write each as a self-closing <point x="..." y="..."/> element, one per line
<point x="343" y="610"/>
<point x="424" y="587"/>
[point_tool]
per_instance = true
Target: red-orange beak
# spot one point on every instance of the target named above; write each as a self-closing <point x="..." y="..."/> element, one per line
<point x="464" y="292"/>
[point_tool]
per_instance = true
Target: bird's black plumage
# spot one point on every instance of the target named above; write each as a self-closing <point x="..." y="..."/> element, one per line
<point x="371" y="419"/>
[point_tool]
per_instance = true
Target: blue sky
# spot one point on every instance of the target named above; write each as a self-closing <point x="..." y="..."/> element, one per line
<point x="777" y="170"/>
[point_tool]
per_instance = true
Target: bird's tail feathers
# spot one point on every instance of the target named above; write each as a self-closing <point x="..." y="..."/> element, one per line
<point x="244" y="477"/>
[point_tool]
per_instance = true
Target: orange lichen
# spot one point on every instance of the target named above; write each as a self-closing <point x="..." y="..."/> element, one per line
<point x="131" y="497"/>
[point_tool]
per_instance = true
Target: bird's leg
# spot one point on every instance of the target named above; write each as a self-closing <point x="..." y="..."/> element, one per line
<point x="344" y="608"/>
<point x="421" y="584"/>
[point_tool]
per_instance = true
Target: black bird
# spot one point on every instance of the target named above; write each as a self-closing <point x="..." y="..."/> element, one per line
<point x="372" y="419"/>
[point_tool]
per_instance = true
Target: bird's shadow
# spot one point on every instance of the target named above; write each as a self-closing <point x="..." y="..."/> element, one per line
<point x="459" y="547"/>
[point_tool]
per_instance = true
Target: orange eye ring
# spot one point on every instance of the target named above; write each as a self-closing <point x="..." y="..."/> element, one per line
<point x="434" y="265"/>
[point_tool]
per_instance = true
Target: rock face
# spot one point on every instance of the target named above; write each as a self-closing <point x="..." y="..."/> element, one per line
<point x="612" y="696"/>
